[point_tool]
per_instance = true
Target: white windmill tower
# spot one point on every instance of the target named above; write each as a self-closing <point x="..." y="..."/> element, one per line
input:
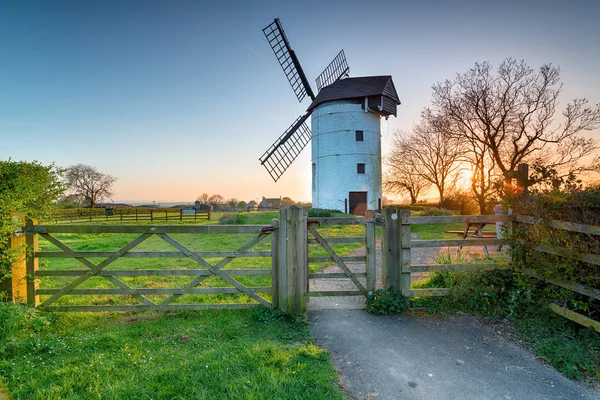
<point x="346" y="138"/>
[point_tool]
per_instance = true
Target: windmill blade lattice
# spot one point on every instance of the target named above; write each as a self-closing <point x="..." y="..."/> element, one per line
<point x="336" y="70"/>
<point x="288" y="60"/>
<point x="285" y="149"/>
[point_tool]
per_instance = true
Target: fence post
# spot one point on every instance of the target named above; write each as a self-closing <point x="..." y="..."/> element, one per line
<point x="371" y="263"/>
<point x="151" y="217"/>
<point x="31" y="239"/>
<point x="292" y="263"/>
<point x="209" y="212"/>
<point x="396" y="250"/>
<point x="274" y="261"/>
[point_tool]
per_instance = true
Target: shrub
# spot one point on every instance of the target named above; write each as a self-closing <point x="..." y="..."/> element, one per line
<point x="319" y="213"/>
<point x="233" y="219"/>
<point x="385" y="302"/>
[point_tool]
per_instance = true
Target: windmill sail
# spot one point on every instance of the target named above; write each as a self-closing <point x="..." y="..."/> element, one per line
<point x="336" y="70"/>
<point x="288" y="60"/>
<point x="285" y="149"/>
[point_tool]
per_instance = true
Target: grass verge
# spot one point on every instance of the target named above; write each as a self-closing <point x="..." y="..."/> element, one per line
<point x="231" y="354"/>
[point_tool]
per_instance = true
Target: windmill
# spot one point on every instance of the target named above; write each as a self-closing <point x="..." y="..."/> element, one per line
<point x="346" y="136"/>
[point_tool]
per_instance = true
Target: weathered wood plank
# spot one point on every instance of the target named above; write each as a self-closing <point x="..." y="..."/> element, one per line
<point x="451" y="267"/>
<point x="31" y="264"/>
<point x="586" y="257"/>
<point x="430" y="292"/>
<point x="391" y="234"/>
<point x="151" y="254"/>
<point x="335" y="275"/>
<point x="457" y="219"/>
<point x="563" y="225"/>
<point x="345" y="259"/>
<point x="255" y="240"/>
<point x="337" y="259"/>
<point x="95" y="269"/>
<point x="157" y="307"/>
<point x="155" y="291"/>
<point x="371" y="251"/>
<point x="212" y="269"/>
<point x="149" y="228"/>
<point x="153" y="272"/>
<point x="576" y="287"/>
<point x="340" y="240"/>
<point x="319" y="293"/>
<point x="339" y="221"/>
<point x="405" y="252"/>
<point x="455" y="243"/>
<point x="575" y="317"/>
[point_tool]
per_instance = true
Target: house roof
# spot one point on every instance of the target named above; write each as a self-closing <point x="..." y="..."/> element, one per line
<point x="351" y="88"/>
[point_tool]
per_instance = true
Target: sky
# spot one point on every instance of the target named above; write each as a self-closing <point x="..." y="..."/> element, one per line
<point x="180" y="98"/>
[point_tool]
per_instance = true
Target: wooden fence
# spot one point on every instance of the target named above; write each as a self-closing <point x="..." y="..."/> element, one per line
<point x="131" y="215"/>
<point x="290" y="237"/>
<point x="397" y="244"/>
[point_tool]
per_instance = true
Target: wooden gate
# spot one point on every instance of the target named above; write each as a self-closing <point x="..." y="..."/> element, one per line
<point x="135" y="287"/>
<point x="358" y="271"/>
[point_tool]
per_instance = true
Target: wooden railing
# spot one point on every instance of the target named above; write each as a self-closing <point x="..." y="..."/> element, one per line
<point x="131" y="215"/>
<point x="397" y="245"/>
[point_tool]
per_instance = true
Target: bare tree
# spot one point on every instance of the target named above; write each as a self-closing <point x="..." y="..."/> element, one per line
<point x="88" y="184"/>
<point x="512" y="114"/>
<point x="404" y="175"/>
<point x="439" y="156"/>
<point x="233" y="202"/>
<point x="203" y="198"/>
<point x="216" y="199"/>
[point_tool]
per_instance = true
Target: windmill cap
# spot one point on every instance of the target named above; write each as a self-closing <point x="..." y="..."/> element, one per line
<point x="352" y="88"/>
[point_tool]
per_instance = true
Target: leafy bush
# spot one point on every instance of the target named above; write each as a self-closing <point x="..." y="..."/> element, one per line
<point x="319" y="213"/>
<point x="233" y="219"/>
<point x="385" y="302"/>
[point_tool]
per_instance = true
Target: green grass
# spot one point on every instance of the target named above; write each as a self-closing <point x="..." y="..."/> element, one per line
<point x="226" y="354"/>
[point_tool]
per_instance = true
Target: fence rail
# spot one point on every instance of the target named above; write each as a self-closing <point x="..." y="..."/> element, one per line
<point x="147" y="298"/>
<point x="288" y="269"/>
<point x="131" y="215"/>
<point x="397" y="243"/>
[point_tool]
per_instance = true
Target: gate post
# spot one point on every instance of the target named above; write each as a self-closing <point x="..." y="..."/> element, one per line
<point x="396" y="253"/>
<point x="292" y="260"/>
<point x="371" y="262"/>
<point x="31" y="239"/>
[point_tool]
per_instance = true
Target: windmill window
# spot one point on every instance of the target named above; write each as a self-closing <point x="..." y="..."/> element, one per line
<point x="360" y="168"/>
<point x="359" y="136"/>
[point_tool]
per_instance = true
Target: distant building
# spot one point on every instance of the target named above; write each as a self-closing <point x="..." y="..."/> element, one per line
<point x="252" y="205"/>
<point x="270" y="204"/>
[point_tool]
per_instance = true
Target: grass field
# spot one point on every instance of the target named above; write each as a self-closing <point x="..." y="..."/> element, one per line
<point x="224" y="354"/>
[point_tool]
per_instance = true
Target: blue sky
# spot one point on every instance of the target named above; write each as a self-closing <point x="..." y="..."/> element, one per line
<point x="182" y="97"/>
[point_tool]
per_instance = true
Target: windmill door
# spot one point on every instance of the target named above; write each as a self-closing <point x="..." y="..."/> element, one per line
<point x="358" y="203"/>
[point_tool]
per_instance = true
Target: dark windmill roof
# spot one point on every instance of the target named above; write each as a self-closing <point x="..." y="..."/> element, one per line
<point x="351" y="88"/>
